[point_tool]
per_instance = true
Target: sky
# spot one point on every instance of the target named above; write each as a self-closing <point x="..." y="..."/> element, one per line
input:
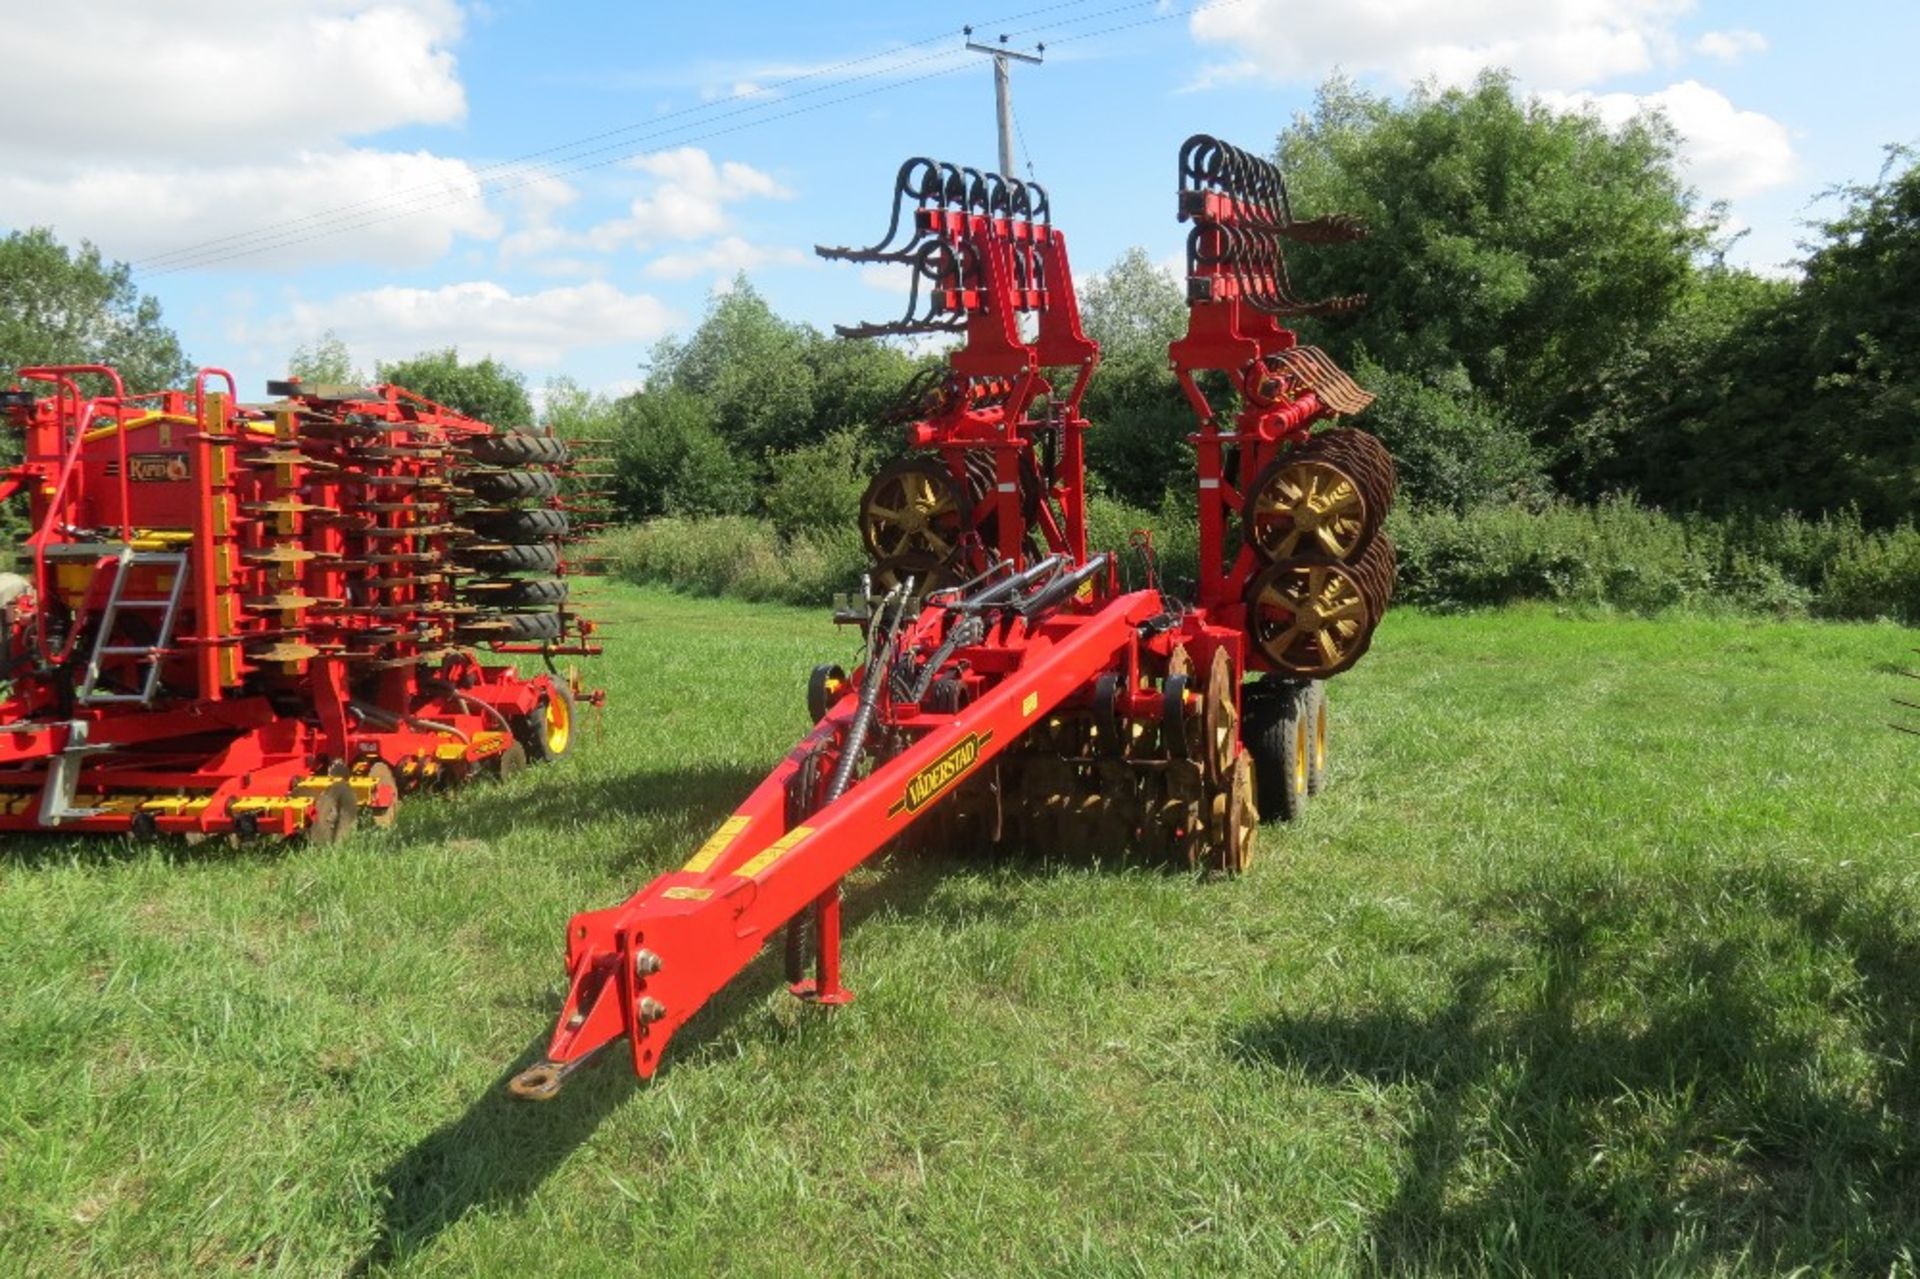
<point x="561" y="185"/>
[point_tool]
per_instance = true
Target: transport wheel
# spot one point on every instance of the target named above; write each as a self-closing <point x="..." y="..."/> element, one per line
<point x="1219" y="719"/>
<point x="334" y="812"/>
<point x="1280" y="739"/>
<point x="540" y="558"/>
<point x="507" y="486"/>
<point x="1317" y="740"/>
<point x="533" y="525"/>
<point x="824" y="687"/>
<point x="548" y="732"/>
<point x="517" y="448"/>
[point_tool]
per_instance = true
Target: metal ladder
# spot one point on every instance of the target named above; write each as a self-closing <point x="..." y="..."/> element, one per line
<point x="88" y="692"/>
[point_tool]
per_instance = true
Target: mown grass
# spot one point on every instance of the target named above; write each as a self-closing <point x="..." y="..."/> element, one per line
<point x="1600" y="956"/>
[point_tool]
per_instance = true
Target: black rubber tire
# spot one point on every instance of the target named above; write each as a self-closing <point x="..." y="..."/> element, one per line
<point x="820" y="692"/>
<point x="519" y="592"/>
<point x="507" y="486"/>
<point x="1276" y="731"/>
<point x="517" y="448"/>
<point x="518" y="628"/>
<point x="537" y="558"/>
<point x="1317" y="738"/>
<point x="535" y="524"/>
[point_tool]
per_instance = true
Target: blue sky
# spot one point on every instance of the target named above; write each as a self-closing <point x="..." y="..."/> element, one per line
<point x="562" y="184"/>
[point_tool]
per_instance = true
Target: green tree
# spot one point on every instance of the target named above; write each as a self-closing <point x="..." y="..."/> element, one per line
<point x="325" y="361"/>
<point x="1520" y="248"/>
<point x="749" y="367"/>
<point x="1137" y="446"/>
<point x="1767" y="397"/>
<point x="670" y="460"/>
<point x="484" y="389"/>
<point x="62" y="306"/>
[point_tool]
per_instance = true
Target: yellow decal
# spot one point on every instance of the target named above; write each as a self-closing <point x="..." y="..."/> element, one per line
<point x="710" y="851"/>
<point x="1029" y="706"/>
<point x="926" y="786"/>
<point x="1085" y="592"/>
<point x="774" y="852"/>
<point x="683" y="893"/>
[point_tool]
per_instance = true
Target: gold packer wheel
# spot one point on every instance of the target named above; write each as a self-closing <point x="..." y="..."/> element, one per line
<point x="1311" y="617"/>
<point x="913" y="514"/>
<point x="1303" y="504"/>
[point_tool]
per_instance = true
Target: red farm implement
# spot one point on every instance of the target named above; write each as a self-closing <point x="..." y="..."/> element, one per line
<point x="264" y="620"/>
<point x="1011" y="690"/>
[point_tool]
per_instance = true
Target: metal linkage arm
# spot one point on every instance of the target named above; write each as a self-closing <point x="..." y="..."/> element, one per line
<point x="640" y="970"/>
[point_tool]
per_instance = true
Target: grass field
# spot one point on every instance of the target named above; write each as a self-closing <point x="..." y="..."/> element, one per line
<point x="1599" y="956"/>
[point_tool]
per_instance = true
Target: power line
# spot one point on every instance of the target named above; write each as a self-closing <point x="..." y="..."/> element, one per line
<point x="201" y="248"/>
<point x="320" y="226"/>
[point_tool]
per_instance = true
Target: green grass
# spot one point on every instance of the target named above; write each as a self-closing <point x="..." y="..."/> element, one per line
<point x="1600" y="956"/>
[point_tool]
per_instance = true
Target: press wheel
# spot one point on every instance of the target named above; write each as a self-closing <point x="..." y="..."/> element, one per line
<point x="1310" y="617"/>
<point x="1305" y="504"/>
<point x="913" y="514"/>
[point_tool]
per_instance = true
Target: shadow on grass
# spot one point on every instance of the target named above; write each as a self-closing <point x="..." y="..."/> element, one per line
<point x="554" y="797"/>
<point x="501" y="1150"/>
<point x="1689" y="1075"/>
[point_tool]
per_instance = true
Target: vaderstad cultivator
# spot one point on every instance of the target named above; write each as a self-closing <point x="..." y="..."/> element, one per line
<point x="1010" y="690"/>
<point x="243" y="621"/>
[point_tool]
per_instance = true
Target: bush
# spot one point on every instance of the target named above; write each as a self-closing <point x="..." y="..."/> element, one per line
<point x="1614" y="555"/>
<point x="816" y="488"/>
<point x="736" y="556"/>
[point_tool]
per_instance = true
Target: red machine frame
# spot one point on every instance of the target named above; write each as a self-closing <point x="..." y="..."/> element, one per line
<point x="246" y="621"/>
<point x="1012" y="657"/>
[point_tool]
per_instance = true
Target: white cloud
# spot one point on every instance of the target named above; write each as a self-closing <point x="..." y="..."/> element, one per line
<point x="131" y="80"/>
<point x="1730" y="46"/>
<point x="1558" y="44"/>
<point x="169" y="217"/>
<point x="723" y="256"/>
<point x="690" y="201"/>
<point x="1725" y="152"/>
<point x="885" y="278"/>
<point x="536" y="330"/>
<point x="158" y="128"/>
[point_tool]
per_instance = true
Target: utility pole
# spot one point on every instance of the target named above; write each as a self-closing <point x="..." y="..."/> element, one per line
<point x="1003" y="89"/>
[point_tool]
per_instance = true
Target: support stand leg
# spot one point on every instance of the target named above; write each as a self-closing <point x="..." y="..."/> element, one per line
<point x="824" y="987"/>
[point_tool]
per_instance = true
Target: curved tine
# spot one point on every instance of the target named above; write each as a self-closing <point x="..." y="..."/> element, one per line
<point x="1195" y="259"/>
<point x="1190" y="168"/>
<point x="999" y="199"/>
<point x="978" y="201"/>
<point x="1042" y="204"/>
<point x="903" y="188"/>
<point x="1213" y="166"/>
<point x="1019" y="200"/>
<point x="953" y="187"/>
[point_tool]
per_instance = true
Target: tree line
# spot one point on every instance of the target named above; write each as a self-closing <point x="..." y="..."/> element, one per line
<point x="1551" y="317"/>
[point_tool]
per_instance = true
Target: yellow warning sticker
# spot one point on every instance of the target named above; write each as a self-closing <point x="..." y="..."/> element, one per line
<point x="687" y="893"/>
<point x="1029" y="706"/>
<point x="710" y="851"/>
<point x="774" y="852"/>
